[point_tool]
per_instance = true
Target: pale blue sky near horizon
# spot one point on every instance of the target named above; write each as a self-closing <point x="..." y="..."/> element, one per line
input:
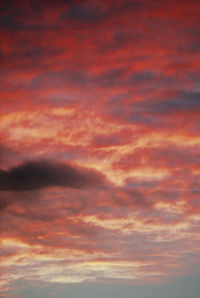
<point x="180" y="287"/>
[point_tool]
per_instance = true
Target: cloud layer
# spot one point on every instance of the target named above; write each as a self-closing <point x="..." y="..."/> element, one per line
<point x="100" y="143"/>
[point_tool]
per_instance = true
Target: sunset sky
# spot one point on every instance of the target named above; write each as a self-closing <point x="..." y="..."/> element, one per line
<point x="100" y="148"/>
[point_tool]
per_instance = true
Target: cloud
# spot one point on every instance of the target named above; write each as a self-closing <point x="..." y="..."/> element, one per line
<point x="112" y="85"/>
<point x="169" y="157"/>
<point x="106" y="141"/>
<point x="85" y="13"/>
<point x="6" y="153"/>
<point x="40" y="174"/>
<point x="181" y="101"/>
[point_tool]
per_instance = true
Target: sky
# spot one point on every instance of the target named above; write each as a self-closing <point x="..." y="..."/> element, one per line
<point x="99" y="148"/>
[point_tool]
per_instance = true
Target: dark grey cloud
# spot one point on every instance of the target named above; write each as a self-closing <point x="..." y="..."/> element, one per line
<point x="85" y="12"/>
<point x="153" y="112"/>
<point x="114" y="77"/>
<point x="117" y="77"/>
<point x="39" y="174"/>
<point x="92" y="13"/>
<point x="181" y="101"/>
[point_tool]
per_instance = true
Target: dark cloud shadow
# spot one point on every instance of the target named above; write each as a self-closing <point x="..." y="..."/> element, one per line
<point x="33" y="175"/>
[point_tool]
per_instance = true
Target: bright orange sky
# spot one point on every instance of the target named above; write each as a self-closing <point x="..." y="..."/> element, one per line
<point x="99" y="141"/>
